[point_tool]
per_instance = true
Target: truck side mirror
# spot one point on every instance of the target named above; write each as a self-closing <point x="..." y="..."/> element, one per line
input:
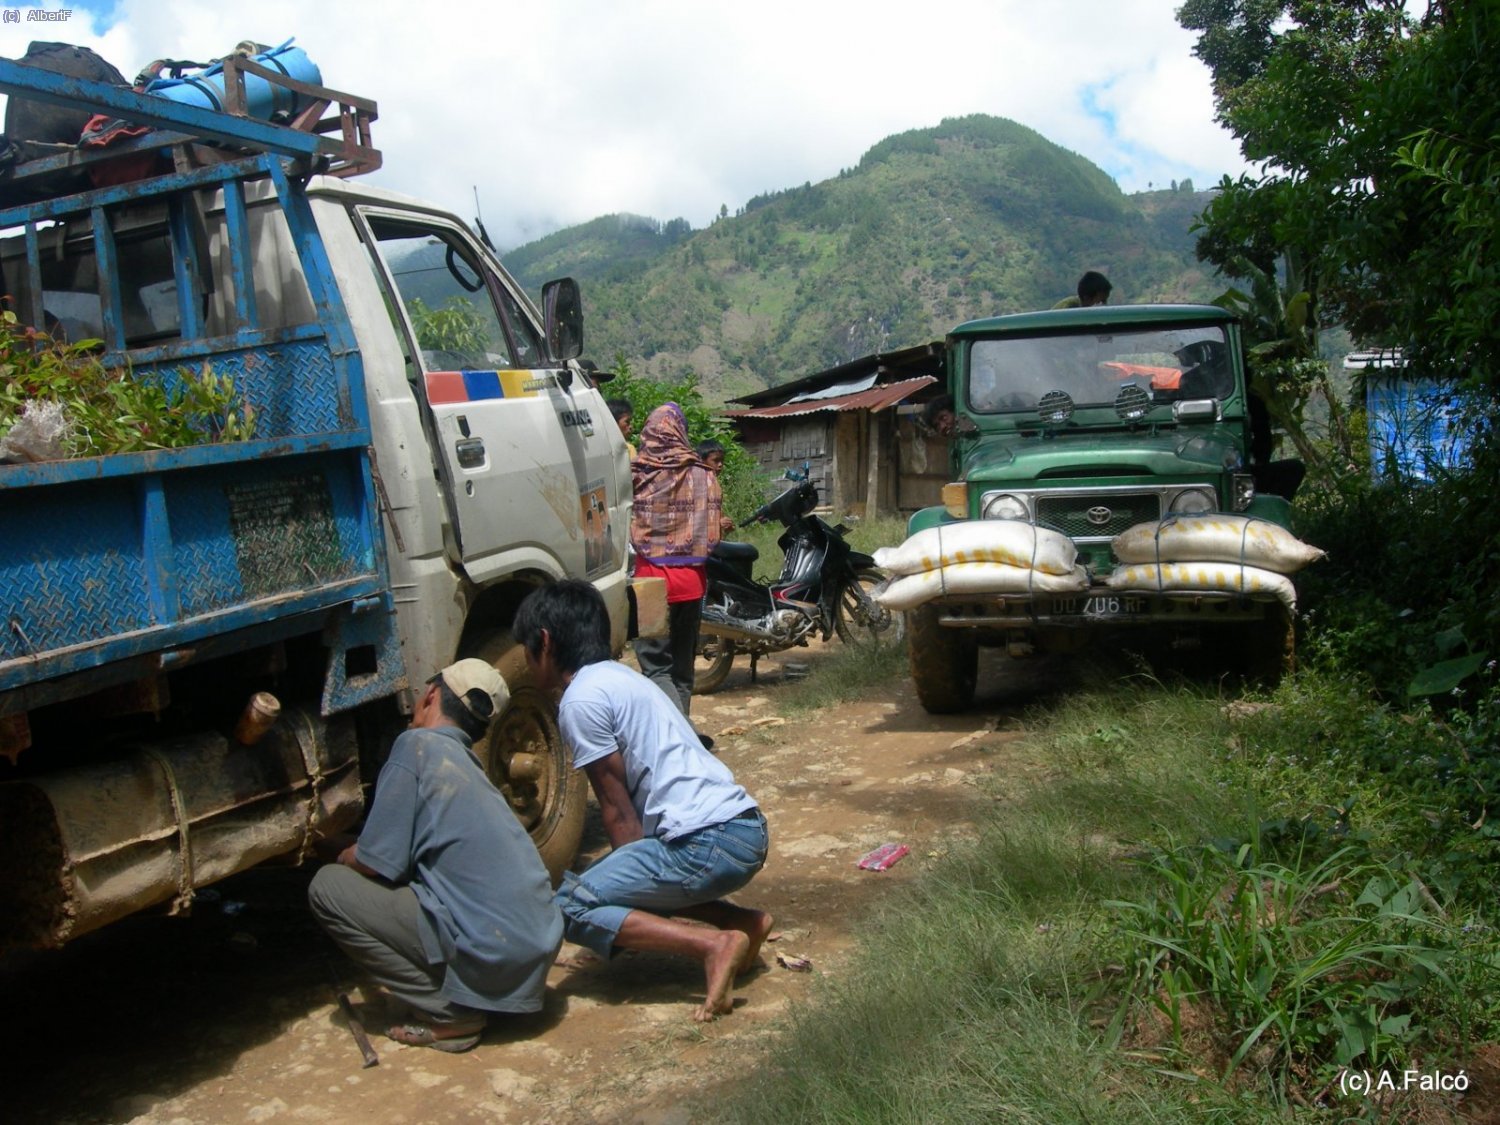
<point x="562" y="315"/>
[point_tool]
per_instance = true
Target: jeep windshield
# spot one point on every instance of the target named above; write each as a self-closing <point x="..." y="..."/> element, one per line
<point x="1118" y="368"/>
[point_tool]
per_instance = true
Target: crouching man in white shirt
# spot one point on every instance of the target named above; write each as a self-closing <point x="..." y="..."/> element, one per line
<point x="684" y="834"/>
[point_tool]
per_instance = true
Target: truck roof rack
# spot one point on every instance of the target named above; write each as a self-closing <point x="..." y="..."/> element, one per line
<point x="320" y="140"/>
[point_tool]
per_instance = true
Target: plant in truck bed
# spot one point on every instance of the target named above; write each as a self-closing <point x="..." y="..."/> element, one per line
<point x="93" y="410"/>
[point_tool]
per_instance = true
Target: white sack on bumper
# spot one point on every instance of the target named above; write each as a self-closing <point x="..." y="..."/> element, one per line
<point x="1012" y="542"/>
<point x="912" y="590"/>
<point x="1215" y="538"/>
<point x="1205" y="577"/>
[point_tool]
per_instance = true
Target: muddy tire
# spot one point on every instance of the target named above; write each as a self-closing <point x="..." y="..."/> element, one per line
<point x="860" y="620"/>
<point x="944" y="662"/>
<point x="714" y="660"/>
<point x="524" y="755"/>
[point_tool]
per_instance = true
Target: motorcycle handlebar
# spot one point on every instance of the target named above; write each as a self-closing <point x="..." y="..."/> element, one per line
<point x="788" y="506"/>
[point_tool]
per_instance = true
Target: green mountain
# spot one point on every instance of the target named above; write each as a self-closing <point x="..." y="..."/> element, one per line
<point x="976" y="217"/>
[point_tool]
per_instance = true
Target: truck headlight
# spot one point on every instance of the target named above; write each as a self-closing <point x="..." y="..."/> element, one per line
<point x="1193" y="502"/>
<point x="1243" y="485"/>
<point x="1004" y="506"/>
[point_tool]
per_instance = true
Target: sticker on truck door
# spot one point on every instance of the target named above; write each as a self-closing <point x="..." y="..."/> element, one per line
<point x="598" y="544"/>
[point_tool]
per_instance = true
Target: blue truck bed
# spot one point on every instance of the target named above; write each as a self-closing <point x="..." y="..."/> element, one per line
<point x="116" y="567"/>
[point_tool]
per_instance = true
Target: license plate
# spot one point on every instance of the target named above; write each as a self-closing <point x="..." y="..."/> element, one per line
<point x="1099" y="605"/>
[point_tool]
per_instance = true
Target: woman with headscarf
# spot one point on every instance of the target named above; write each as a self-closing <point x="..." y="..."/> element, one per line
<point x="675" y="525"/>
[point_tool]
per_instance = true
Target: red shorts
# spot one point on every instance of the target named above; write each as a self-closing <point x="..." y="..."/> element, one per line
<point x="684" y="583"/>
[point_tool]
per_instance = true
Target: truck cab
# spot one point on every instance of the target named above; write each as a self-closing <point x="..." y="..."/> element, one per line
<point x="1089" y="421"/>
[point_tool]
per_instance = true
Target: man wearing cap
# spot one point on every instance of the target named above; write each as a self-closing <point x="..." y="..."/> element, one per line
<point x="443" y="900"/>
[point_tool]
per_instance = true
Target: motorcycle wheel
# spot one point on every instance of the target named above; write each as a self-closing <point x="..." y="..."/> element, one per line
<point x="861" y="620"/>
<point x="711" y="668"/>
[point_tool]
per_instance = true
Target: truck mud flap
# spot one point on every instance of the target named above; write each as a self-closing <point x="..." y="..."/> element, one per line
<point x="648" y="608"/>
<point x="85" y="847"/>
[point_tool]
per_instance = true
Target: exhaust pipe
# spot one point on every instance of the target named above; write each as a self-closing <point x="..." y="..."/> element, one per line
<point x="717" y="623"/>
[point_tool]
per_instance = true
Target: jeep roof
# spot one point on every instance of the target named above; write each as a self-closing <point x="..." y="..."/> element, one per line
<point x="1053" y="320"/>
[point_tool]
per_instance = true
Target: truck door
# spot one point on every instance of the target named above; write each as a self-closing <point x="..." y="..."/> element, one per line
<point x="522" y="447"/>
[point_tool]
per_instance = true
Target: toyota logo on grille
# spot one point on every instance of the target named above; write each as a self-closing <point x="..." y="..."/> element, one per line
<point x="1099" y="515"/>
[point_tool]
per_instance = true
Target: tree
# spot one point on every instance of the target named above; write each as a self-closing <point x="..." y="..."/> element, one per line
<point x="1377" y="131"/>
<point x="1445" y="297"/>
<point x="1282" y="348"/>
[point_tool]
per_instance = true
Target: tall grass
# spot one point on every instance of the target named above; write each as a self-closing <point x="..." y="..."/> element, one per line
<point x="1295" y="963"/>
<point x="976" y="993"/>
<point x="1156" y="930"/>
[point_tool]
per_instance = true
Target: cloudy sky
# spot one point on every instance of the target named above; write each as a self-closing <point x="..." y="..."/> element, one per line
<point x="560" y="112"/>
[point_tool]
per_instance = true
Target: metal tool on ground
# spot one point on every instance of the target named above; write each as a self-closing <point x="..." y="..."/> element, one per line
<point x="356" y="1028"/>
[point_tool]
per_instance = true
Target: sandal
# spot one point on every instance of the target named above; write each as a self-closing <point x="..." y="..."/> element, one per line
<point x="426" y="1035"/>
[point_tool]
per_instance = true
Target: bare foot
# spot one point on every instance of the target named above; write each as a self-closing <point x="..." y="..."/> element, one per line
<point x="756" y="927"/>
<point x="718" y="971"/>
<point x="754" y="924"/>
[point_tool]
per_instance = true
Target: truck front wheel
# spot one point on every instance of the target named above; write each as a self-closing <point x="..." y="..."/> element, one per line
<point x="524" y="755"/>
<point x="944" y="662"/>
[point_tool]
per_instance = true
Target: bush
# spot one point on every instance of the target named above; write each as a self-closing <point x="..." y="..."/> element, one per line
<point x="1406" y="586"/>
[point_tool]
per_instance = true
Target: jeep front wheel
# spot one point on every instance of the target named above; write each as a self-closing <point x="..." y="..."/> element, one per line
<point x="944" y="662"/>
<point x="1269" y="647"/>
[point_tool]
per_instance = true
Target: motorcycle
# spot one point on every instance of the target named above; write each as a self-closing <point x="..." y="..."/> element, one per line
<point x="823" y="589"/>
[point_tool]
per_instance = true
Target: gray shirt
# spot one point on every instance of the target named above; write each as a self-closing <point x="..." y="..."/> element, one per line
<point x="439" y="825"/>
<point x="676" y="786"/>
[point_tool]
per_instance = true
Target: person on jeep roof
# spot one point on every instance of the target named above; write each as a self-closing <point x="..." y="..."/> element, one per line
<point x="1093" y="289"/>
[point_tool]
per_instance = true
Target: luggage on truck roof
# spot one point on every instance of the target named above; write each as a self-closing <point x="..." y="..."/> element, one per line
<point x="200" y="119"/>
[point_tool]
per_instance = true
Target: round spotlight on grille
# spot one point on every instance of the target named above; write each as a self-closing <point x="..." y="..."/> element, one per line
<point x="1055" y="408"/>
<point x="1132" y="402"/>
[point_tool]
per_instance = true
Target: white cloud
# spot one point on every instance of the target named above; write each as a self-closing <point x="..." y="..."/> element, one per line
<point x="562" y="112"/>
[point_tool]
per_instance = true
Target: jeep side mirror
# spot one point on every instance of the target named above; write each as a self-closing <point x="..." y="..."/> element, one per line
<point x="562" y="315"/>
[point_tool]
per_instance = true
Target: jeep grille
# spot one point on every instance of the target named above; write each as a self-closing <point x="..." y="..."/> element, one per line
<point x="1080" y="515"/>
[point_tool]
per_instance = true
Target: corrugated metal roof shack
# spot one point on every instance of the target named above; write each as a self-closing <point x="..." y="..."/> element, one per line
<point x="856" y="425"/>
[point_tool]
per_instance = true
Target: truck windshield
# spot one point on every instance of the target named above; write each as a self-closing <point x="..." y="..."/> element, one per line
<point x="1012" y="373"/>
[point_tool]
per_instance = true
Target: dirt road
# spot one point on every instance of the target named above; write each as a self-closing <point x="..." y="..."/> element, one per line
<point x="229" y="1015"/>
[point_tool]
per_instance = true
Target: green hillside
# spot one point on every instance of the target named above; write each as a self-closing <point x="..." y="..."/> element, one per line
<point x="975" y="217"/>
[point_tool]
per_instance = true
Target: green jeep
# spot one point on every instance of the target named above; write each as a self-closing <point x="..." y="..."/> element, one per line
<point x="1089" y="421"/>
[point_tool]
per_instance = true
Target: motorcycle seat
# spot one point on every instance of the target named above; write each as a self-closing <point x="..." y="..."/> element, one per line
<point x="735" y="552"/>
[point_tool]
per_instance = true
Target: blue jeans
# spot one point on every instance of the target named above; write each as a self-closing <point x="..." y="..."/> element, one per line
<point x="660" y="877"/>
